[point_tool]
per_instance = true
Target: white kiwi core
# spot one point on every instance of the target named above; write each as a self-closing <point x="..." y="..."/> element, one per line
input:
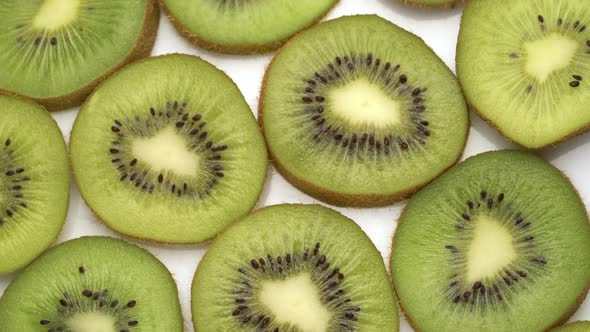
<point x="296" y="300"/>
<point x="490" y="250"/>
<point x="365" y="103"/>
<point x="92" y="322"/>
<point x="549" y="54"/>
<point x="54" y="14"/>
<point x="167" y="150"/>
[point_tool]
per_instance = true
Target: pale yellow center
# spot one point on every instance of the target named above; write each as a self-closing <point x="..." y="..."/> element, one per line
<point x="166" y="151"/>
<point x="490" y="250"/>
<point x="91" y="322"/>
<point x="552" y="53"/>
<point x="363" y="102"/>
<point x="54" y="14"/>
<point x="296" y="301"/>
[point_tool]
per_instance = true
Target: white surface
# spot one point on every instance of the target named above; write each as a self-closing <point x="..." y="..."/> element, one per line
<point x="439" y="28"/>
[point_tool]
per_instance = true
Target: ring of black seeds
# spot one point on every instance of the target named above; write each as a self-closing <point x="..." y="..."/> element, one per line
<point x="494" y="291"/>
<point x="328" y="279"/>
<point x="88" y="300"/>
<point x="328" y="132"/>
<point x="549" y="27"/>
<point x="190" y="125"/>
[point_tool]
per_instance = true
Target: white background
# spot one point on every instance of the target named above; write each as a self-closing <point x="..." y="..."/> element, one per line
<point x="439" y="28"/>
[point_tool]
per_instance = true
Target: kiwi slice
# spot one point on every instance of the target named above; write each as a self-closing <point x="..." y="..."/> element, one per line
<point x="583" y="326"/>
<point x="293" y="268"/>
<point x="243" y="26"/>
<point x="359" y="112"/>
<point x="57" y="51"/>
<point x="501" y="242"/>
<point x="34" y="182"/>
<point x="522" y="66"/>
<point x="168" y="150"/>
<point x="92" y="284"/>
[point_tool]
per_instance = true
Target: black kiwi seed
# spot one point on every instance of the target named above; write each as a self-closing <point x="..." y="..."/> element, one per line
<point x="540" y="18"/>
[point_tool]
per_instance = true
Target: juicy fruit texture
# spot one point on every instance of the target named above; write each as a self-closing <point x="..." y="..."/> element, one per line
<point x="501" y="242"/>
<point x="92" y="284"/>
<point x="359" y="112"/>
<point x="243" y="26"/>
<point x="34" y="182"/>
<point x="522" y="65"/>
<point x="57" y="51"/>
<point x="583" y="326"/>
<point x="293" y="268"/>
<point x="168" y="150"/>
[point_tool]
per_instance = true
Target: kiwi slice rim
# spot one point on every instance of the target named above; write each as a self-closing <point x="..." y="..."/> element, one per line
<point x="243" y="49"/>
<point x="337" y="198"/>
<point x="554" y="327"/>
<point x="52" y="123"/>
<point x="288" y="207"/>
<point x="143" y="48"/>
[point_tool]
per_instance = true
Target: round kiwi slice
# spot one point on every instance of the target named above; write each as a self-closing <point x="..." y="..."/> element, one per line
<point x="583" y="326"/>
<point x="501" y="242"/>
<point x="34" y="182"/>
<point x="243" y="26"/>
<point x="359" y="112"/>
<point x="168" y="150"/>
<point x="523" y="66"/>
<point x="92" y="284"/>
<point x="57" y="51"/>
<point x="293" y="268"/>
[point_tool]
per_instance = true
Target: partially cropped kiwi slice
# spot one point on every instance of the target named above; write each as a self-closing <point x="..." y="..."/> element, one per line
<point x="293" y="268"/>
<point x="57" y="51"/>
<point x="360" y="112"/>
<point x="92" y="284"/>
<point x="168" y="150"/>
<point x="524" y="67"/>
<point x="583" y="326"/>
<point x="243" y="26"/>
<point x="501" y="243"/>
<point x="34" y="182"/>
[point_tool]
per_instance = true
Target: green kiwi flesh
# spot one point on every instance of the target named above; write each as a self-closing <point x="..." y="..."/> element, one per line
<point x="92" y="284"/>
<point x="501" y="242"/>
<point x="57" y="51"/>
<point x="34" y="182"/>
<point x="359" y="112"/>
<point x="524" y="67"/>
<point x="293" y="268"/>
<point x="243" y="26"/>
<point x="582" y="326"/>
<point x="168" y="150"/>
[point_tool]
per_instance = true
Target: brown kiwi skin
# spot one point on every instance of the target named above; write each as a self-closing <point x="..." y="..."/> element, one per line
<point x="332" y="197"/>
<point x="69" y="183"/>
<point x="242" y="49"/>
<point x="143" y="48"/>
<point x="417" y="3"/>
<point x="562" y="320"/>
<point x="580" y="131"/>
<point x="264" y="178"/>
